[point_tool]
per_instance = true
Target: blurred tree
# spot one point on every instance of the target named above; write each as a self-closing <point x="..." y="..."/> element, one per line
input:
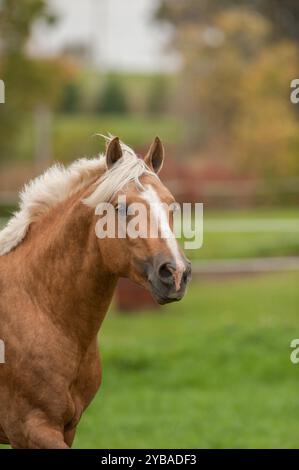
<point x="28" y="81"/>
<point x="233" y="92"/>
<point x="189" y="11"/>
<point x="158" y="95"/>
<point x="284" y="15"/>
<point x="112" y="99"/>
<point x="16" y="19"/>
<point x="265" y="133"/>
<point x="71" y="97"/>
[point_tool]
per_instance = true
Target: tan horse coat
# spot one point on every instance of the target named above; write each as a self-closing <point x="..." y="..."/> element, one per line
<point x="55" y="289"/>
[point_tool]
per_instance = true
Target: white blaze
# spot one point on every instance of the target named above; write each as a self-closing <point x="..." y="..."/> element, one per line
<point x="161" y="219"/>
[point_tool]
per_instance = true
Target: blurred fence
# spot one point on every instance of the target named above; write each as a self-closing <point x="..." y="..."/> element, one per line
<point x="218" y="194"/>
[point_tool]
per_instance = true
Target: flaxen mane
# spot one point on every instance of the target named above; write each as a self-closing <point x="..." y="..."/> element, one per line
<point x="58" y="183"/>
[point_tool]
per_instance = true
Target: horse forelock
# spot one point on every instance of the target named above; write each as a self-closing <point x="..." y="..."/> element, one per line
<point x="126" y="170"/>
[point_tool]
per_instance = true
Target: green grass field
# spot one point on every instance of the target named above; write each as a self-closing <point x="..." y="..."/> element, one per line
<point x="211" y="371"/>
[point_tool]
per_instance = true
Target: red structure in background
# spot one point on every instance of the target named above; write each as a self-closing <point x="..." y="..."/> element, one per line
<point x="211" y="182"/>
<point x="130" y="297"/>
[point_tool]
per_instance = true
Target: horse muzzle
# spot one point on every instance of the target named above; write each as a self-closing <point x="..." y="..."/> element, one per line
<point x="168" y="281"/>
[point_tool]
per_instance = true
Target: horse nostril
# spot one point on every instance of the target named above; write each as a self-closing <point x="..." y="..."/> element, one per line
<point x="166" y="271"/>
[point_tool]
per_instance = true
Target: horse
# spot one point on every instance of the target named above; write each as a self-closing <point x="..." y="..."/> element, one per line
<point x="57" y="279"/>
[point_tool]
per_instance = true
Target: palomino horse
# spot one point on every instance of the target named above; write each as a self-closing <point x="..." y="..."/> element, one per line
<point x="57" y="278"/>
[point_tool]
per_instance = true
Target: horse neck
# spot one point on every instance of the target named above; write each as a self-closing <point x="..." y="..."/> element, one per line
<point x="65" y="271"/>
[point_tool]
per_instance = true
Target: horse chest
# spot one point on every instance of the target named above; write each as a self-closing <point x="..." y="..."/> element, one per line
<point x="88" y="379"/>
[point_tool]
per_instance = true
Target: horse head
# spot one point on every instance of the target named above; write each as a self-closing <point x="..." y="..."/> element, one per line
<point x="135" y="222"/>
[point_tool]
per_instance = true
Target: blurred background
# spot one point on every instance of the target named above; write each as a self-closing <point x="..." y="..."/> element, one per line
<point x="212" y="79"/>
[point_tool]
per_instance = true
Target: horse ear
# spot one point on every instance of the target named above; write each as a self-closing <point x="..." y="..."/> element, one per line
<point x="113" y="152"/>
<point x="155" y="157"/>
